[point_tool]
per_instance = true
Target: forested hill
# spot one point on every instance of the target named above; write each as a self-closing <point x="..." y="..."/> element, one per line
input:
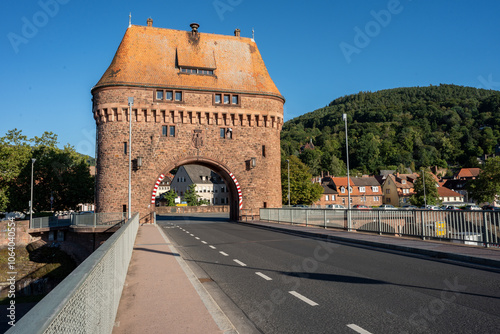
<point x="419" y="126"/>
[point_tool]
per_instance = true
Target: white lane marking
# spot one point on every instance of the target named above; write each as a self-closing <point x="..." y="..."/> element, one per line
<point x="204" y="242"/>
<point x="213" y="247"/>
<point x="304" y="299"/>
<point x="224" y="254"/>
<point x="197" y="238"/>
<point x="358" y="329"/>
<point x="191" y="235"/>
<point x="267" y="278"/>
<point x="240" y="263"/>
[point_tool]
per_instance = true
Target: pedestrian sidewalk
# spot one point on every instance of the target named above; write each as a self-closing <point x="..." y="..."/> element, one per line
<point x="442" y="250"/>
<point x="158" y="297"/>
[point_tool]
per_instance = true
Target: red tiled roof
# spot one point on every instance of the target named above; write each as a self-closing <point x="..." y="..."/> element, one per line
<point x="445" y="192"/>
<point x="150" y="57"/>
<point x="468" y="172"/>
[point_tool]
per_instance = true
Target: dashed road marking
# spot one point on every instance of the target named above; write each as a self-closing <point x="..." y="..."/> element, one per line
<point x="191" y="234"/>
<point x="213" y="247"/>
<point x="304" y="299"/>
<point x="197" y="238"/>
<point x="240" y="263"/>
<point x="267" y="278"/>
<point x="358" y="329"/>
<point x="224" y="253"/>
<point x="204" y="242"/>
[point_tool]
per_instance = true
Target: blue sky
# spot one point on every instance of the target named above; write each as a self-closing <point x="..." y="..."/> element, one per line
<point x="54" y="51"/>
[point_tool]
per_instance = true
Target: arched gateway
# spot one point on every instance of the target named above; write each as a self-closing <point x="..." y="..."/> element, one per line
<point x="198" y="99"/>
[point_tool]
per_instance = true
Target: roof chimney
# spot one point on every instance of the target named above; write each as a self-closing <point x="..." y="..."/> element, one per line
<point x="150" y="22"/>
<point x="237" y="32"/>
<point x="194" y="27"/>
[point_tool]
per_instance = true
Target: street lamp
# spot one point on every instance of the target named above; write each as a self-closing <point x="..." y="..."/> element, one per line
<point x="288" y="162"/>
<point x="344" y="116"/>
<point x="425" y="197"/>
<point x="31" y="198"/>
<point x="130" y="104"/>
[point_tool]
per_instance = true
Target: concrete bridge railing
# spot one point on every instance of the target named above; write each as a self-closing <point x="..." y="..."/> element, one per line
<point x="87" y="300"/>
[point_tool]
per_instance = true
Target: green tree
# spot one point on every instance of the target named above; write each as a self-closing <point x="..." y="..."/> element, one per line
<point x="61" y="173"/>
<point x="170" y="197"/>
<point x="487" y="187"/>
<point x="431" y="190"/>
<point x="190" y="196"/>
<point x="312" y="158"/>
<point x="302" y="190"/>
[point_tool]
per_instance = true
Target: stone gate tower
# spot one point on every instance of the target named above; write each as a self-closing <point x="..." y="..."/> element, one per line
<point x="199" y="98"/>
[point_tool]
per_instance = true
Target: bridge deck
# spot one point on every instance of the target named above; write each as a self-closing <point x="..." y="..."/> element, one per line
<point x="157" y="297"/>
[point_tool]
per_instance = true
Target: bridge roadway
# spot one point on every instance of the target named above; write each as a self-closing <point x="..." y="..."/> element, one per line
<point x="275" y="282"/>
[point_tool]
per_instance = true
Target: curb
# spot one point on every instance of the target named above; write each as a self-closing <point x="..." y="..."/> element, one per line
<point x="407" y="249"/>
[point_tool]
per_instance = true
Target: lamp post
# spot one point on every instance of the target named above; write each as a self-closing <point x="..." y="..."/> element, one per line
<point x="31" y="198"/>
<point x="288" y="162"/>
<point x="130" y="104"/>
<point x="344" y="116"/>
<point x="425" y="197"/>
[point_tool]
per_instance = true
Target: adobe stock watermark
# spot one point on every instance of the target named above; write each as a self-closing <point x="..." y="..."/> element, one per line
<point x="223" y="6"/>
<point x="372" y="29"/>
<point x="437" y="306"/>
<point x="309" y="265"/>
<point x="12" y="274"/>
<point x="87" y="145"/>
<point x="31" y="26"/>
<point x="488" y="83"/>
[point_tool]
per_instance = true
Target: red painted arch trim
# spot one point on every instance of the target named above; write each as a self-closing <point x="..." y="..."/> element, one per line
<point x="155" y="189"/>
<point x="240" y="198"/>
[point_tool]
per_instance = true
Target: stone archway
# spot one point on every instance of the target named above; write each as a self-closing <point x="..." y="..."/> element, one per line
<point x="235" y="193"/>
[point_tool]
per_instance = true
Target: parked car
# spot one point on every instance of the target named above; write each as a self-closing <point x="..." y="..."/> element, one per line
<point x="472" y="207"/>
<point x="386" y="207"/>
<point x="361" y="207"/>
<point x="430" y="207"/>
<point x="335" y="206"/>
<point x="300" y="206"/>
<point x="409" y="207"/>
<point x="451" y="207"/>
<point x="491" y="208"/>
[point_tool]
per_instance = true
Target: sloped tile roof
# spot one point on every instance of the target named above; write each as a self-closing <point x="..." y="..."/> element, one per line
<point x="469" y="172"/>
<point x="150" y="57"/>
<point x="445" y="192"/>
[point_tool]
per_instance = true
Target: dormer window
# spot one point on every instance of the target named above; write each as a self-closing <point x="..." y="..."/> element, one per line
<point x="403" y="181"/>
<point x="361" y="189"/>
<point x="199" y="71"/>
<point x="342" y="190"/>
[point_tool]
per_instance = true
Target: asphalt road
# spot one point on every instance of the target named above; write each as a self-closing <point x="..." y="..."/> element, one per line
<point x="289" y="284"/>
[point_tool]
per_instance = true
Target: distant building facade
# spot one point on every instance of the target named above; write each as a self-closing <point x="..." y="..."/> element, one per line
<point x="209" y="185"/>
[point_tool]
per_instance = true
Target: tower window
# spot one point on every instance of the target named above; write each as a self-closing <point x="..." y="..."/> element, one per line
<point x="218" y="98"/>
<point x="178" y="96"/>
<point x="235" y="99"/>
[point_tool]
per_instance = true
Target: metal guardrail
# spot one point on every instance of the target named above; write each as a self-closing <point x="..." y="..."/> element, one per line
<point x="87" y="300"/>
<point x="480" y="228"/>
<point x="104" y="219"/>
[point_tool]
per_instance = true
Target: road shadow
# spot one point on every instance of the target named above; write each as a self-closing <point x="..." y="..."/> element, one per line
<point x="192" y="218"/>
